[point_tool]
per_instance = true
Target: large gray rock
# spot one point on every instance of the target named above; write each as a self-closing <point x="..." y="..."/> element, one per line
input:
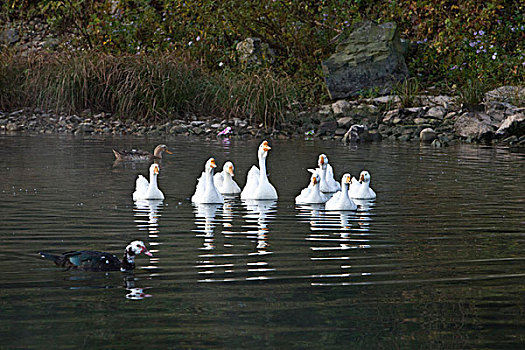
<point x="512" y="126"/>
<point x="427" y="135"/>
<point x="477" y="126"/>
<point x="370" y="57"/>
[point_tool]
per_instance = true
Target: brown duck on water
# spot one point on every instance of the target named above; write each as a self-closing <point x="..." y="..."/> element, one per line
<point x="137" y="154"/>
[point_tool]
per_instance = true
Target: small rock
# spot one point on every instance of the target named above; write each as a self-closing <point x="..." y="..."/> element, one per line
<point x="427" y="135"/>
<point x="345" y="122"/>
<point x="341" y="107"/>
<point x="513" y="125"/>
<point x="12" y="127"/>
<point x="436" y="112"/>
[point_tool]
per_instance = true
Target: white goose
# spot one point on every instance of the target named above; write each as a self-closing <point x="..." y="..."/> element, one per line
<point x="205" y="191"/>
<point x="361" y="189"/>
<point x="341" y="200"/>
<point x="328" y="184"/>
<point x="312" y="194"/>
<point x="224" y="180"/>
<point x="145" y="189"/>
<point x="257" y="184"/>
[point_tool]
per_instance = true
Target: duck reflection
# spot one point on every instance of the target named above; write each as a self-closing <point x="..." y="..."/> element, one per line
<point x="151" y="210"/>
<point x="133" y="292"/>
<point x="206" y="222"/>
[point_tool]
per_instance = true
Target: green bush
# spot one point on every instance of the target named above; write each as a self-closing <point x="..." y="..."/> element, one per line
<point x="453" y="42"/>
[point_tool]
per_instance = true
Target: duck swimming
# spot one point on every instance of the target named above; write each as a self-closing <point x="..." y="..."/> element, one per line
<point x="140" y="155"/>
<point x="88" y="260"/>
<point x="224" y="180"/>
<point x="205" y="191"/>
<point x="145" y="189"/>
<point x="257" y="184"/>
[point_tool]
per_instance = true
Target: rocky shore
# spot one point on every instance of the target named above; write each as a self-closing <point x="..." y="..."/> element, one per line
<point x="437" y="120"/>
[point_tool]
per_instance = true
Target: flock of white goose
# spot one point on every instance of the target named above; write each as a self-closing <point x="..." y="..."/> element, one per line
<point x="211" y="188"/>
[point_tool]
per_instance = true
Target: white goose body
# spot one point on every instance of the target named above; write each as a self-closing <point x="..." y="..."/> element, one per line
<point x="328" y="183"/>
<point x="224" y="180"/>
<point x="312" y="194"/>
<point x="205" y="191"/>
<point x="145" y="189"/>
<point x="257" y="184"/>
<point x="341" y="200"/>
<point x="361" y="189"/>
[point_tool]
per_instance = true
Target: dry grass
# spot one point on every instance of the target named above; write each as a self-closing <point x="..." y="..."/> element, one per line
<point x="144" y="88"/>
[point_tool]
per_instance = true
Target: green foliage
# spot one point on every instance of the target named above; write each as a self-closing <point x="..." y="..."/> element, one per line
<point x="453" y="42"/>
<point x="407" y="91"/>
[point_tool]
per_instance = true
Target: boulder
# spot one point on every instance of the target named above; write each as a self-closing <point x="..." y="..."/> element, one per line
<point x="370" y="57"/>
<point x="427" y="135"/>
<point x="514" y="125"/>
<point x="506" y="94"/>
<point x="475" y="126"/>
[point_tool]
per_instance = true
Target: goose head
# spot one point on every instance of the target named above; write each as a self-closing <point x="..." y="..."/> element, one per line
<point x="323" y="160"/>
<point x="346" y="180"/>
<point x="364" y="177"/>
<point x="154" y="170"/>
<point x="264" y="148"/>
<point x="315" y="179"/>
<point x="228" y="168"/>
<point x="210" y="165"/>
<point x="160" y="149"/>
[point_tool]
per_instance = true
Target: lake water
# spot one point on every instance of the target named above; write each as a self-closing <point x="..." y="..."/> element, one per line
<point x="437" y="261"/>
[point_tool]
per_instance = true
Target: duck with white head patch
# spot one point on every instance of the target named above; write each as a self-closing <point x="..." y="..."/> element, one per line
<point x="205" y="191"/>
<point x="89" y="260"/>
<point x="145" y="189"/>
<point x="258" y="186"/>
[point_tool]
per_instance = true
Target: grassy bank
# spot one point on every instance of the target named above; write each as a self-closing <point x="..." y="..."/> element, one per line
<point x="139" y="87"/>
<point x="156" y="59"/>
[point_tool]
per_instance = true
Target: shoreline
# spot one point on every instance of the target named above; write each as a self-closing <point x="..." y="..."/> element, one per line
<point x="437" y="121"/>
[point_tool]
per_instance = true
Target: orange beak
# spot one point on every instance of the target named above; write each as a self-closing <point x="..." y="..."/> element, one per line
<point x="230" y="170"/>
<point x="156" y="170"/>
<point x="362" y="178"/>
<point x="322" y="160"/>
<point x="212" y="163"/>
<point x="314" y="180"/>
<point x="266" y="146"/>
<point x="168" y="151"/>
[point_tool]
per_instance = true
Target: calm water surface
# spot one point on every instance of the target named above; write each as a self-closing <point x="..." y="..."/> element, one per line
<point x="437" y="261"/>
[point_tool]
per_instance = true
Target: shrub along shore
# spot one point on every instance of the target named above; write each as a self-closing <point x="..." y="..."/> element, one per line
<point x="171" y="67"/>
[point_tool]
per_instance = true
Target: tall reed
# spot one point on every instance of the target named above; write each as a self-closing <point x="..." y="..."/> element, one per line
<point x="143" y="88"/>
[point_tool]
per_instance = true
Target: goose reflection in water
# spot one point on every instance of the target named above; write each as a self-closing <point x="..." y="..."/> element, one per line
<point x="259" y="211"/>
<point x="151" y="209"/>
<point x="206" y="222"/>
